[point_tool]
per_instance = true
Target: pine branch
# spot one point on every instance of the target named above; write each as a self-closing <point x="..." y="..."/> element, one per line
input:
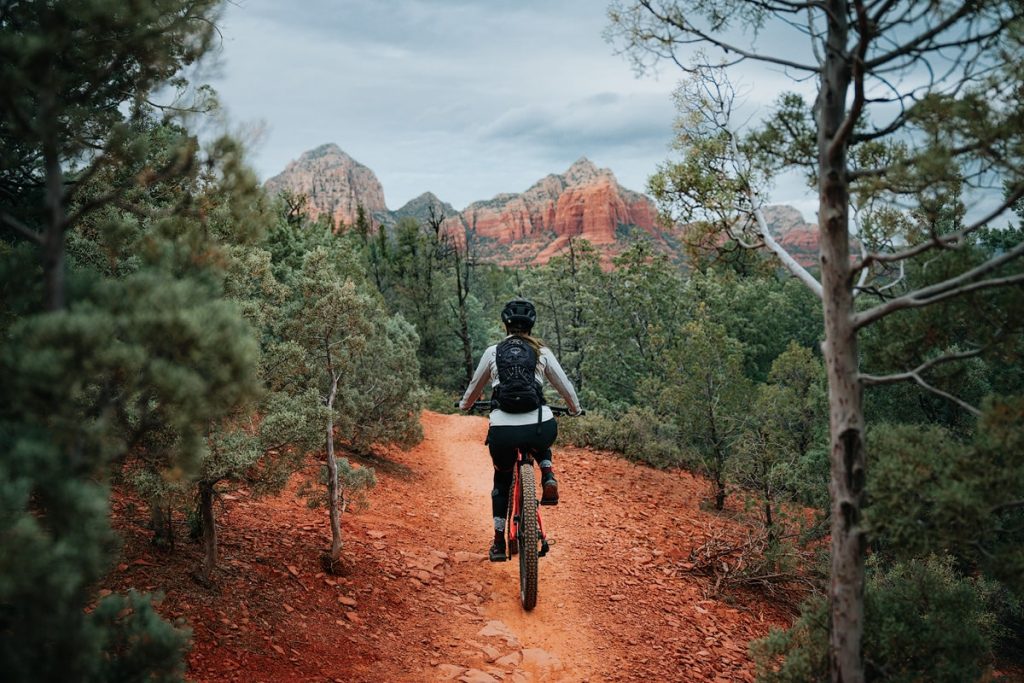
<point x="20" y="228"/>
<point x="915" y="376"/>
<point x="947" y="289"/>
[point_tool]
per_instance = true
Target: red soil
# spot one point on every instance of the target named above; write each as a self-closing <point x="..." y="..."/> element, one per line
<point x="418" y="600"/>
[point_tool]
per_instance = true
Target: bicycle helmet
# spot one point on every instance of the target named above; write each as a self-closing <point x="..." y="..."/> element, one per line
<point x="519" y="313"/>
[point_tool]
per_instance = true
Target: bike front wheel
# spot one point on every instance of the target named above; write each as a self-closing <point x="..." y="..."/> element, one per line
<point x="528" y="536"/>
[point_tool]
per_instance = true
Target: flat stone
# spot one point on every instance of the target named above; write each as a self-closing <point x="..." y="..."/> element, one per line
<point x="490" y="653"/>
<point x="510" y="660"/>
<point x="429" y="563"/>
<point x="463" y="556"/>
<point x="540" y="660"/>
<point x="347" y="601"/>
<point x="477" y="676"/>
<point x="449" y="672"/>
<point x="498" y="629"/>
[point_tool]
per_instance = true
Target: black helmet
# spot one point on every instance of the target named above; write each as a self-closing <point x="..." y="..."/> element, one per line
<point x="519" y="313"/>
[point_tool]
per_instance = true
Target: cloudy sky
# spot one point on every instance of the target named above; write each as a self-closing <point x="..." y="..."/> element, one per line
<point x="464" y="98"/>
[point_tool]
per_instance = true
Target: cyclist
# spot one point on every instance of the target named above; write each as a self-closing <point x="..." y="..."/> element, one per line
<point x="533" y="426"/>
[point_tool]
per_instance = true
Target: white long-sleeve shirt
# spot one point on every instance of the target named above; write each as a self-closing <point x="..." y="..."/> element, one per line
<point x="547" y="368"/>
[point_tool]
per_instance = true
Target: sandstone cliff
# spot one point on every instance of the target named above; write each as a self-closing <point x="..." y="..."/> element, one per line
<point x="585" y="202"/>
<point x="335" y="184"/>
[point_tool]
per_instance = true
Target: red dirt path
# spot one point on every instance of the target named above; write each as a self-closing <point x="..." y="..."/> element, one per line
<point x="419" y="601"/>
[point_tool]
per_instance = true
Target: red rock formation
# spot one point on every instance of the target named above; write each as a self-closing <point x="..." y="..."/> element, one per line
<point x="334" y="183"/>
<point x="517" y="229"/>
<point x="584" y="202"/>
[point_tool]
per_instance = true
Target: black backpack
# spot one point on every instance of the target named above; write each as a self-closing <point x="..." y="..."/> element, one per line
<point x="518" y="390"/>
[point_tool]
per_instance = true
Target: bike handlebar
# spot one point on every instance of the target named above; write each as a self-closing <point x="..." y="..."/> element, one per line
<point x="492" y="405"/>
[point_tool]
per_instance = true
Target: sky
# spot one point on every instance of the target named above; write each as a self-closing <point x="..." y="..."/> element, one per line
<point x="462" y="98"/>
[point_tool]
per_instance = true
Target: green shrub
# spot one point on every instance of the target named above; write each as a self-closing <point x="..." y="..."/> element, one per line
<point x="923" y="622"/>
<point x="440" y="400"/>
<point x="929" y="492"/>
<point x="638" y="434"/>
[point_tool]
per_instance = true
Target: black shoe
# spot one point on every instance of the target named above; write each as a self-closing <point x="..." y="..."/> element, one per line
<point x="549" y="485"/>
<point x="497" y="551"/>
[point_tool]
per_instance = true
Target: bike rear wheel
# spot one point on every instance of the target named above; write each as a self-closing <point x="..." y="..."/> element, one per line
<point x="528" y="536"/>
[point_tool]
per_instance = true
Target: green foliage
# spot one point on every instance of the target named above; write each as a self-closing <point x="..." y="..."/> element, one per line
<point x="932" y="492"/>
<point x="140" y="365"/>
<point x="702" y="389"/>
<point x="765" y="313"/>
<point x="387" y="397"/>
<point x="632" y="313"/>
<point x="142" y="646"/>
<point x="563" y="291"/>
<point x="638" y="434"/>
<point x="984" y="327"/>
<point x="354" y="481"/>
<point x="788" y="420"/>
<point x="923" y="621"/>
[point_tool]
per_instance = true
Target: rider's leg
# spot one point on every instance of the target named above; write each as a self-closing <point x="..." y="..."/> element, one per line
<point x="499" y="497"/>
<point x="503" y="457"/>
<point x="548" y="483"/>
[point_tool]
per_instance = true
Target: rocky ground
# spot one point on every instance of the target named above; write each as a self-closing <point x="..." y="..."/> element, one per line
<point x="419" y="602"/>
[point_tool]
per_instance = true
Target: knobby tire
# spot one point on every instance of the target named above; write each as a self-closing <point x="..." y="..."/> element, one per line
<point x="528" y="537"/>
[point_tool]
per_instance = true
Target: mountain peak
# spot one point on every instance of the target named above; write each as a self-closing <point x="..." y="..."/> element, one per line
<point x="335" y="183"/>
<point x="328" y="150"/>
<point x="583" y="170"/>
<point x="420" y="207"/>
<point x="583" y="163"/>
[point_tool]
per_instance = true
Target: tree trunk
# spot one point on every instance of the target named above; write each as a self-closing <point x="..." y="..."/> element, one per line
<point x="462" y="285"/>
<point x="160" y="523"/>
<point x="577" y="316"/>
<point x="333" y="494"/>
<point x="206" y="495"/>
<point x="52" y="253"/>
<point x="719" y="454"/>
<point x="846" y="419"/>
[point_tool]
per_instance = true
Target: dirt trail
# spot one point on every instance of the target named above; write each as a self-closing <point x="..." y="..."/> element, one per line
<point x="556" y="638"/>
<point x="420" y="602"/>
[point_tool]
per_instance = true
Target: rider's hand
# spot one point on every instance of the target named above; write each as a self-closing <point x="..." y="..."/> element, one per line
<point x="580" y="412"/>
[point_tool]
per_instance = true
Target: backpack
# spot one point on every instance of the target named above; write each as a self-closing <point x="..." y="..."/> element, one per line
<point x="518" y="390"/>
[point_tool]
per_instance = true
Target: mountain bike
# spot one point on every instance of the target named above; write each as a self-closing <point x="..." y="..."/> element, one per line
<point x="524" y="527"/>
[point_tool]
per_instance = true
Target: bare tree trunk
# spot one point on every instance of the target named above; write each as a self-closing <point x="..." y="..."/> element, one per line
<point x="719" y="482"/>
<point x="577" y="316"/>
<point x="206" y="496"/>
<point x="333" y="494"/>
<point x="462" y="287"/>
<point x="846" y="419"/>
<point x="558" y="324"/>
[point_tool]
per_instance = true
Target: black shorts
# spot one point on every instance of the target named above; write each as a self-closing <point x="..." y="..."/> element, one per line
<point x="504" y="441"/>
